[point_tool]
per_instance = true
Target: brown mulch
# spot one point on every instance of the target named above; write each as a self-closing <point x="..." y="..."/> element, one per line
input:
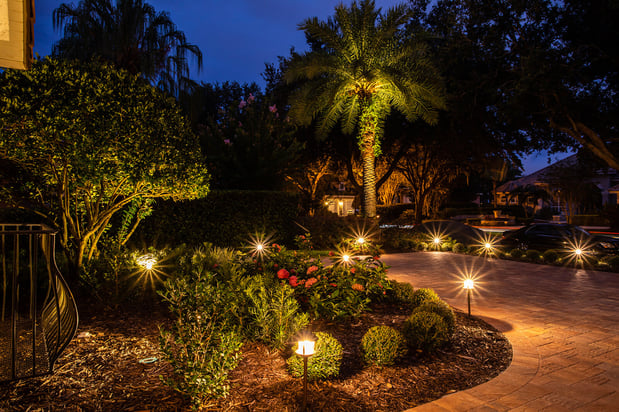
<point x="100" y="370"/>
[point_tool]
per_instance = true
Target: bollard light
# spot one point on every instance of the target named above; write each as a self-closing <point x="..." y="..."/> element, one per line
<point x="469" y="284"/>
<point x="305" y="349"/>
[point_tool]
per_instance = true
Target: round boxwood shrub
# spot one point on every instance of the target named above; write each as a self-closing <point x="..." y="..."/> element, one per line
<point x="459" y="248"/>
<point x="423" y="295"/>
<point x="383" y="345"/>
<point x="442" y="309"/>
<point x="516" y="253"/>
<point x="324" y="364"/>
<point x="402" y="292"/>
<point x="533" y="255"/>
<point x="421" y="246"/>
<point x="550" y="256"/>
<point x="425" y="331"/>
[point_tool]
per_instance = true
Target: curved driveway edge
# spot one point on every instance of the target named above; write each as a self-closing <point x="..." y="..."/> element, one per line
<point x="562" y="323"/>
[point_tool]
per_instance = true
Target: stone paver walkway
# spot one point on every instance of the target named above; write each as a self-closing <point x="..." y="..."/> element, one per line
<point x="563" y="325"/>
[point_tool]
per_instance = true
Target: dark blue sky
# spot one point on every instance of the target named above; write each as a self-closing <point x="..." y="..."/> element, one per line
<point x="237" y="37"/>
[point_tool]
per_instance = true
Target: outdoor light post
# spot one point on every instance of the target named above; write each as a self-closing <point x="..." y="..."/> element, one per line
<point x="469" y="285"/>
<point x="305" y="349"/>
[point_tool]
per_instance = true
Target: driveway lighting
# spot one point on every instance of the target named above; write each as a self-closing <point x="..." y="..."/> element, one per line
<point x="469" y="284"/>
<point x="305" y="349"/>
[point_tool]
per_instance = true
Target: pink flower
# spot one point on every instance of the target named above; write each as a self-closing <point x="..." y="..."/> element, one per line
<point x="357" y="287"/>
<point x="283" y="274"/>
<point x="309" y="282"/>
<point x="242" y="104"/>
<point x="273" y="109"/>
<point x="293" y="281"/>
<point x="227" y="141"/>
<point x="312" y="269"/>
<point x="251" y="98"/>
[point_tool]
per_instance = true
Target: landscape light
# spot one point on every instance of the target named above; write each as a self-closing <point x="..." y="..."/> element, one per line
<point x="305" y="349"/>
<point x="360" y="240"/>
<point x="147" y="261"/>
<point x="469" y="284"/>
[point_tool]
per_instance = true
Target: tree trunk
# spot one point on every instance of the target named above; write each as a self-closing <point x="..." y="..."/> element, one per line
<point x="369" y="180"/>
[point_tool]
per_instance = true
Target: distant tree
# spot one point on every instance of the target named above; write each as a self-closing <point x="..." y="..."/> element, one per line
<point x="130" y="34"/>
<point x="91" y="141"/>
<point x="428" y="174"/>
<point x="307" y="180"/>
<point x="528" y="195"/>
<point x="360" y="68"/>
<point x="248" y="142"/>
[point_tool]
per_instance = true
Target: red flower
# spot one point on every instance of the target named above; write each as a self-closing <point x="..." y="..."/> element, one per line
<point x="376" y="257"/>
<point x="293" y="281"/>
<point x="278" y="247"/>
<point x="312" y="269"/>
<point x="331" y="253"/>
<point x="309" y="282"/>
<point x="353" y="270"/>
<point x="357" y="287"/>
<point x="283" y="274"/>
<point x="215" y="265"/>
<point x="333" y="284"/>
<point x="275" y="265"/>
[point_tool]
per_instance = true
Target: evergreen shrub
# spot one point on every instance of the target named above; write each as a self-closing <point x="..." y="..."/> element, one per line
<point x="383" y="346"/>
<point x="425" y="331"/>
<point x="402" y="292"/>
<point x="516" y="253"/>
<point x="442" y="309"/>
<point x="324" y="364"/>
<point x="533" y="255"/>
<point x="423" y="295"/>
<point x="550" y="256"/>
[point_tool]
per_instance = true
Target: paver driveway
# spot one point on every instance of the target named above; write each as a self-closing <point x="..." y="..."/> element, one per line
<point x="563" y="325"/>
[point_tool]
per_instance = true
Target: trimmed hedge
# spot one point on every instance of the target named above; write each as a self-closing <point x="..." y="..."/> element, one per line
<point x="223" y="218"/>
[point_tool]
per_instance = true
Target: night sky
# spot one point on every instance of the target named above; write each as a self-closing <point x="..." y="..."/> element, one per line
<point x="236" y="37"/>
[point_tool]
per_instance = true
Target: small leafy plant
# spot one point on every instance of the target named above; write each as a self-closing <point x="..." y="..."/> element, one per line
<point x="383" y="346"/>
<point x="425" y="331"/>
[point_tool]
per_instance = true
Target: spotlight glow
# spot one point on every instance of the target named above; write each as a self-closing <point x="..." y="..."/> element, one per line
<point x="360" y="240"/>
<point x="437" y="240"/>
<point x="469" y="284"/>
<point x="147" y="261"/>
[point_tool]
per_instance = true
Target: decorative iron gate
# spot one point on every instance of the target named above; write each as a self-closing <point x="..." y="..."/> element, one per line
<point x="33" y="330"/>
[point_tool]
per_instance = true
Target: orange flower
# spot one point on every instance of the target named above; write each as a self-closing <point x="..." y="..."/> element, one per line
<point x="357" y="287"/>
<point x="309" y="282"/>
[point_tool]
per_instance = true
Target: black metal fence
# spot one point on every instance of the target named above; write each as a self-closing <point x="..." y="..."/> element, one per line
<point x="38" y="315"/>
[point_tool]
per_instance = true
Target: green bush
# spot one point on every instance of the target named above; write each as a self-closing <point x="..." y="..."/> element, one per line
<point x="425" y="331"/>
<point x="550" y="256"/>
<point x="324" y="364"/>
<point x="224" y="218"/>
<point x="274" y="313"/>
<point x="422" y="295"/>
<point x="402" y="292"/>
<point x="459" y="248"/>
<point x="516" y="253"/>
<point x="382" y="346"/>
<point x="421" y="246"/>
<point x="204" y="342"/>
<point x="442" y="309"/>
<point x="533" y="255"/>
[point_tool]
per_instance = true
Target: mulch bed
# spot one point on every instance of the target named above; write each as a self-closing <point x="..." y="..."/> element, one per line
<point x="100" y="370"/>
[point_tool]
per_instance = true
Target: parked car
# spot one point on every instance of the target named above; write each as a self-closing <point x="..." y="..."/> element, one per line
<point x="544" y="236"/>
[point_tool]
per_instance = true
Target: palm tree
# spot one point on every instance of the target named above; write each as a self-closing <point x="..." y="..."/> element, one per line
<point x="361" y="66"/>
<point x="129" y="34"/>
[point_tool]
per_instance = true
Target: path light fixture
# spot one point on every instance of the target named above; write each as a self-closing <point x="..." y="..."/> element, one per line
<point x="305" y="349"/>
<point x="147" y="261"/>
<point x="469" y="284"/>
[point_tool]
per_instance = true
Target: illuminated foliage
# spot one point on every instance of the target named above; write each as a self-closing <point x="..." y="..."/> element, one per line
<point x="89" y="140"/>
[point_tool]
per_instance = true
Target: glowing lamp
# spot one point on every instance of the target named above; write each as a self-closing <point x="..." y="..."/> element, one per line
<point x="147" y="261"/>
<point x="306" y="348"/>
<point x="469" y="284"/>
<point x="346" y="258"/>
<point x="340" y="203"/>
<point x="578" y="252"/>
<point x="360" y="240"/>
<point x="437" y="240"/>
<point x="488" y="246"/>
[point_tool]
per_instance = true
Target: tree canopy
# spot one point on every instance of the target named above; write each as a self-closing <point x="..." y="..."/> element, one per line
<point x="361" y="66"/>
<point x="130" y="34"/>
<point x="88" y="141"/>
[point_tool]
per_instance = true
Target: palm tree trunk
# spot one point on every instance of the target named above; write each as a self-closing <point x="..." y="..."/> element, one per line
<point x="369" y="180"/>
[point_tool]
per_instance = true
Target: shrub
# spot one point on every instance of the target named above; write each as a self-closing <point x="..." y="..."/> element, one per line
<point x="423" y="295"/>
<point x="204" y="343"/>
<point x="274" y="313"/>
<point x="550" y="256"/>
<point x="421" y="246"/>
<point x="402" y="292"/>
<point x="425" y="331"/>
<point x="324" y="364"/>
<point x="533" y="255"/>
<point x="459" y="248"/>
<point x="516" y="253"/>
<point x="382" y="346"/>
<point x="442" y="309"/>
